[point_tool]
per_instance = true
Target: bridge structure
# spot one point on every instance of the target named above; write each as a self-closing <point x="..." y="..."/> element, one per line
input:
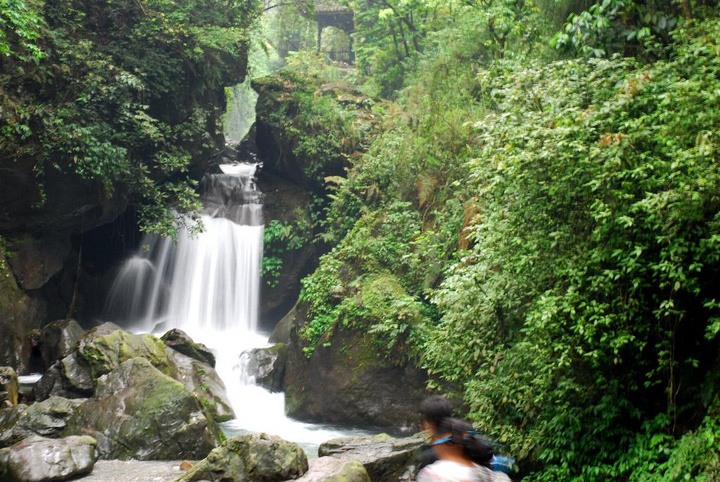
<point x="328" y="14"/>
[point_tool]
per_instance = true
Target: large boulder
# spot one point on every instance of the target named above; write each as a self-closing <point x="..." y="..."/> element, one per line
<point x="203" y="381"/>
<point x="105" y="353"/>
<point x="99" y="351"/>
<point x="58" y="339"/>
<point x="384" y="457"/>
<point x="256" y="457"/>
<point x="9" y="387"/>
<point x="267" y="366"/>
<point x="46" y="419"/>
<point x="349" y="380"/>
<point x="38" y="459"/>
<point x="331" y="469"/>
<point x="179" y="341"/>
<point x="139" y="412"/>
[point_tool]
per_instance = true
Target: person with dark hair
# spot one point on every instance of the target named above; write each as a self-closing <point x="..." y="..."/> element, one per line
<point x="462" y="455"/>
<point x="433" y="409"/>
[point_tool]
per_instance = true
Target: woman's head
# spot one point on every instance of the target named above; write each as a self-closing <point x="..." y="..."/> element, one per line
<point x="460" y="434"/>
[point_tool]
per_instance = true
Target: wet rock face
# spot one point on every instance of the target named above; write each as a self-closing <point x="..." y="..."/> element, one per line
<point x="46" y="419"/>
<point x="37" y="259"/>
<point x="98" y="352"/>
<point x="384" y="457"/>
<point x="203" y="381"/>
<point x="349" y="381"/>
<point x="38" y="459"/>
<point x="258" y="457"/>
<point x="267" y="366"/>
<point x="139" y="412"/>
<point x="179" y="341"/>
<point x="57" y="340"/>
<point x="9" y="387"/>
<point x="287" y="202"/>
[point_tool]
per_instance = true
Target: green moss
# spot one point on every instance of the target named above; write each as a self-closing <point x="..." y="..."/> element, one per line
<point x="107" y="352"/>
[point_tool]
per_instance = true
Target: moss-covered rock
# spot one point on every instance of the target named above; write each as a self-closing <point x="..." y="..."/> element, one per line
<point x="139" y="412"/>
<point x="46" y="419"/>
<point x="252" y="457"/>
<point x="350" y="380"/>
<point x="384" y="457"/>
<point x="335" y="470"/>
<point x="98" y="352"/>
<point x="204" y="382"/>
<point x="105" y="353"/>
<point x="179" y="341"/>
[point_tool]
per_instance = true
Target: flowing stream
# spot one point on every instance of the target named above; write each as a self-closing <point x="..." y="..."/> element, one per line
<point x="208" y="285"/>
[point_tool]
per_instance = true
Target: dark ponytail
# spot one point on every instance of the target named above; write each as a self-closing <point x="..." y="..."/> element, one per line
<point x="460" y="432"/>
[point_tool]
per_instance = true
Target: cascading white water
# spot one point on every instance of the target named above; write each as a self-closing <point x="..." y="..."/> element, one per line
<point x="206" y="281"/>
<point x="208" y="285"/>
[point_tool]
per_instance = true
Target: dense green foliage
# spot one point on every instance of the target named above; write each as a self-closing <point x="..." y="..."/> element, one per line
<point x="543" y="232"/>
<point x="126" y="94"/>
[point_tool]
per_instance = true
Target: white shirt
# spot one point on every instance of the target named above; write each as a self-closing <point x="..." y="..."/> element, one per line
<point x="447" y="471"/>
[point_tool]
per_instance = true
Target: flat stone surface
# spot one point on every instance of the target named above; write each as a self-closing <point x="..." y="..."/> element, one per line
<point x="133" y="471"/>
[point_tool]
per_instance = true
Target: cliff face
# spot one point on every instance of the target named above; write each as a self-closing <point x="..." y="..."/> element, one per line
<point x="104" y="107"/>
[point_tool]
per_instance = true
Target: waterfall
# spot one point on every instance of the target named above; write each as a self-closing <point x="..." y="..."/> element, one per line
<point x="208" y="285"/>
<point x="210" y="280"/>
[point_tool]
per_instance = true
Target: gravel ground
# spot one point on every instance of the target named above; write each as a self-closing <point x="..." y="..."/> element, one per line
<point x="133" y="471"/>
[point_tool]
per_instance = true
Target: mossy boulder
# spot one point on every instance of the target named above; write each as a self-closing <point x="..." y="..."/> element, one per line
<point x="251" y="457"/>
<point x="330" y="469"/>
<point x="350" y="380"/>
<point x="179" y="341"/>
<point x="98" y="352"/>
<point x="38" y="459"/>
<point x="47" y="419"/>
<point x="204" y="382"/>
<point x="105" y="353"/>
<point x="139" y="412"/>
<point x="384" y="457"/>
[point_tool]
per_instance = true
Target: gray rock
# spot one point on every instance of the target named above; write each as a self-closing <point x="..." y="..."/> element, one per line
<point x="256" y="457"/>
<point x="179" y="341"/>
<point x="139" y="412"/>
<point x="58" y="339"/>
<point x="384" y="457"/>
<point x="97" y="353"/>
<point x="203" y="381"/>
<point x="38" y="459"/>
<point x="9" y="387"/>
<point x="283" y="330"/>
<point x="349" y="380"/>
<point x="46" y="419"/>
<point x="267" y="366"/>
<point x="324" y="469"/>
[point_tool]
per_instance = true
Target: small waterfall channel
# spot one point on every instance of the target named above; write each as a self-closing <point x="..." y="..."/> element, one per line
<point x="208" y="285"/>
